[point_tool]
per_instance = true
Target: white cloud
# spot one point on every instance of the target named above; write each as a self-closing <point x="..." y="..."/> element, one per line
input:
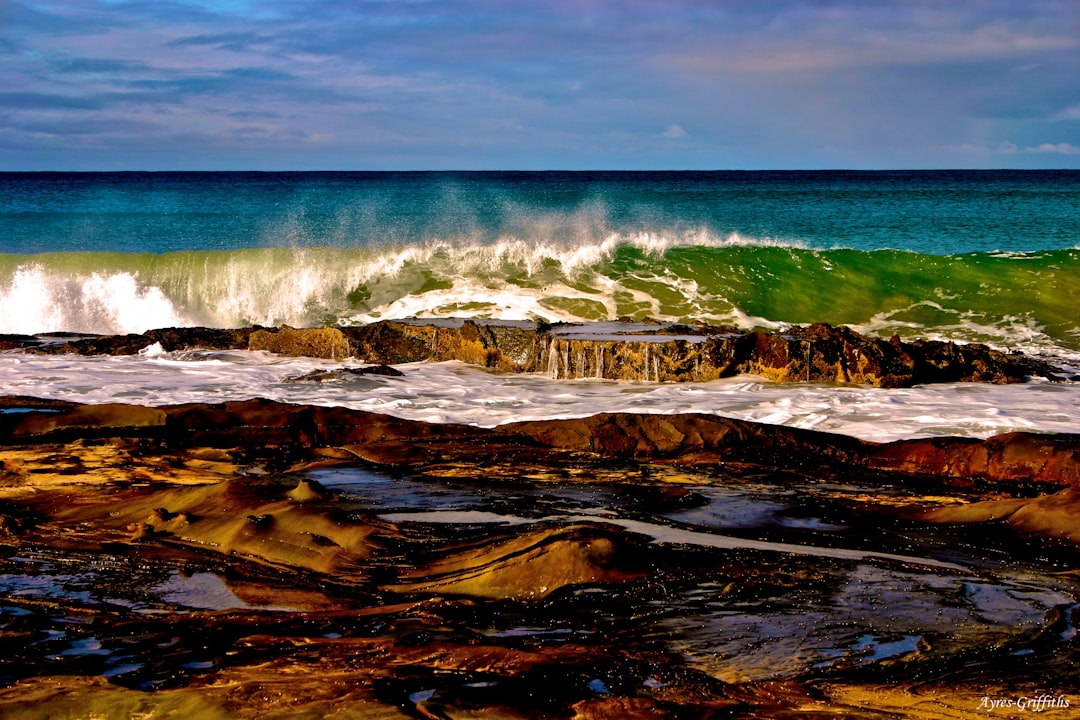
<point x="1007" y="148"/>
<point x="675" y="132"/>
<point x="1062" y="148"/>
<point x="1070" y="113"/>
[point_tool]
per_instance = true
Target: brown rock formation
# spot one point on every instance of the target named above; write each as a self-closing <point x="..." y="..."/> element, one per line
<point x="171" y="339"/>
<point x="327" y="342"/>
<point x="107" y="510"/>
<point x="617" y="351"/>
<point x="1055" y="516"/>
<point x="693" y="440"/>
<point x="818" y="353"/>
<point x="1011" y="458"/>
<point x="527" y="566"/>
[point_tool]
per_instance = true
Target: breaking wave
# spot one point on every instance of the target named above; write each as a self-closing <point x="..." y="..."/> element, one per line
<point x="1016" y="300"/>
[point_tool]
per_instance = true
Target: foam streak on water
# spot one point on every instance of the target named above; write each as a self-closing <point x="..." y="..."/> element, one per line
<point x="454" y="392"/>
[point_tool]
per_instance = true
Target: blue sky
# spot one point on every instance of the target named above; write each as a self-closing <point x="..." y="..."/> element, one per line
<point x="486" y="84"/>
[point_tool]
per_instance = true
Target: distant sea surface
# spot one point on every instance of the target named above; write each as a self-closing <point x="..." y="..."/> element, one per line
<point x="967" y="256"/>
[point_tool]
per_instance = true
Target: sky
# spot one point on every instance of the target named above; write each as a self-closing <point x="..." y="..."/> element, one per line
<point x="547" y="84"/>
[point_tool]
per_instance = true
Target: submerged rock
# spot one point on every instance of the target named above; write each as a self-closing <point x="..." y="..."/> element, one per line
<point x="341" y="373"/>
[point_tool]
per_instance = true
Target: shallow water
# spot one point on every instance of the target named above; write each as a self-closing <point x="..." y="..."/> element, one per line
<point x="803" y="592"/>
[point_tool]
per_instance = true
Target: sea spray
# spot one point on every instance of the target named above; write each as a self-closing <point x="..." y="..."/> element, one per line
<point x="1023" y="301"/>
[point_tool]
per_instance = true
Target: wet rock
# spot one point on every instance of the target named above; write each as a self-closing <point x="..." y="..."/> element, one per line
<point x="359" y="614"/>
<point x="664" y="498"/>
<point x="621" y="708"/>
<point x="504" y="346"/>
<point x="10" y="341"/>
<point x="170" y="339"/>
<point x="307" y="491"/>
<point x="685" y="440"/>
<point x="1011" y="457"/>
<point x="342" y="373"/>
<point x="1055" y="516"/>
<point x="528" y="566"/>
<point x="140" y="531"/>
<point x="616" y="351"/>
<point x="327" y="342"/>
<point x="242" y="517"/>
<point x="85" y="419"/>
<point x="817" y="353"/>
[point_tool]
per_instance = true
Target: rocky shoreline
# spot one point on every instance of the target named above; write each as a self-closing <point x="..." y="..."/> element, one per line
<point x="256" y="559"/>
<point x="623" y="350"/>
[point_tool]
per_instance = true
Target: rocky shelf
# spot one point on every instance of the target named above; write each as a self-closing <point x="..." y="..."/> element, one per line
<point x="257" y="559"/>
<point x="617" y="350"/>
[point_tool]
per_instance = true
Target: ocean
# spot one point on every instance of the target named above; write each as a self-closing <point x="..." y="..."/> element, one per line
<point x="969" y="256"/>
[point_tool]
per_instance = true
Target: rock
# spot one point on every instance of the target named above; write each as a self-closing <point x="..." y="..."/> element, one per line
<point x="336" y="603"/>
<point x="665" y="353"/>
<point x="510" y="347"/>
<point x="327" y="342"/>
<point x="620" y="708"/>
<point x="1055" y="516"/>
<point x="10" y="341"/>
<point x="307" y="491"/>
<point x="340" y="373"/>
<point x="84" y="420"/>
<point x="615" y="351"/>
<point x="688" y="440"/>
<point x="245" y="517"/>
<point x="170" y="339"/>
<point x="1011" y="457"/>
<point x="527" y="566"/>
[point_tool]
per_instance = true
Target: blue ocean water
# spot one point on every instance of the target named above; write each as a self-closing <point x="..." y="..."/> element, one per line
<point x="937" y="212"/>
<point x="967" y="255"/>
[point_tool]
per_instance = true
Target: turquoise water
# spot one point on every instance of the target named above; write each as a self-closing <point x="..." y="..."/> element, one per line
<point x="972" y="255"/>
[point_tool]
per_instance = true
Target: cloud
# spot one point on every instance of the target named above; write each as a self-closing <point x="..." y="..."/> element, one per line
<point x="496" y="84"/>
<point x="1061" y="148"/>
<point x="1070" y="113"/>
<point x="675" y="132"/>
<point x="794" y="37"/>
<point x="47" y="101"/>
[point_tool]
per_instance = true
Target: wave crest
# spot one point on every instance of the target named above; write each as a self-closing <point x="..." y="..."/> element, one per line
<point x="1008" y="300"/>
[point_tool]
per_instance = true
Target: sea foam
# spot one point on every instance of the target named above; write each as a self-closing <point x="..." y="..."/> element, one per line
<point x="37" y="300"/>
<point x="454" y="392"/>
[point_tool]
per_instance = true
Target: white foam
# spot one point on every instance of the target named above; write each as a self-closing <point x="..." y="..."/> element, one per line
<point x="37" y="300"/>
<point x="455" y="392"/>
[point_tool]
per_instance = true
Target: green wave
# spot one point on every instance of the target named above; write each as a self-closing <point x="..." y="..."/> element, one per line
<point x="1006" y="299"/>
